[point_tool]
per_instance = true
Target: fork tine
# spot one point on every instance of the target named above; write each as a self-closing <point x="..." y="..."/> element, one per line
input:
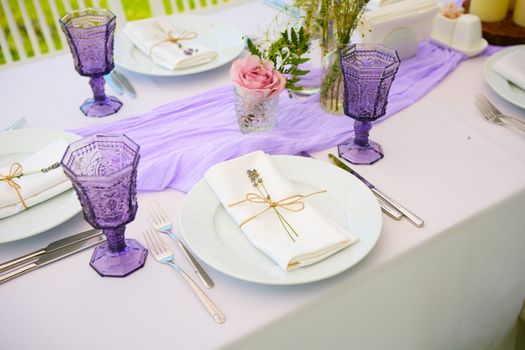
<point x="161" y="212"/>
<point x="158" y="242"/>
<point x="490" y="105"/>
<point x="149" y="241"/>
<point x="482" y="107"/>
<point x="163" y="248"/>
<point x="152" y="214"/>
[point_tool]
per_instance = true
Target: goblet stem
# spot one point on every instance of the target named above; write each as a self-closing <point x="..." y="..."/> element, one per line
<point x="97" y="85"/>
<point x="362" y="129"/>
<point x="115" y="238"/>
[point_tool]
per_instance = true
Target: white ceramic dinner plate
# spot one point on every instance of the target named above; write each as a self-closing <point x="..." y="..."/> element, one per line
<point x="220" y="37"/>
<point x="500" y="85"/>
<point x="19" y="144"/>
<point x="215" y="238"/>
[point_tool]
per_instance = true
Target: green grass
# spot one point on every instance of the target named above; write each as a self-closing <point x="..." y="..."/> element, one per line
<point x="135" y="9"/>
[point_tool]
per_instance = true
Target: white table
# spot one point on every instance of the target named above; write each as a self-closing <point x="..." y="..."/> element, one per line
<point x="457" y="283"/>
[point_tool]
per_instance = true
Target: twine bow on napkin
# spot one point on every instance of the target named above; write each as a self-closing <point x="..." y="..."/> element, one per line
<point x="291" y="203"/>
<point x="167" y="36"/>
<point x="15" y="171"/>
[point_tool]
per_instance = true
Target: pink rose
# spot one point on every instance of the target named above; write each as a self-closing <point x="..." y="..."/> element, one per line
<point x="256" y="78"/>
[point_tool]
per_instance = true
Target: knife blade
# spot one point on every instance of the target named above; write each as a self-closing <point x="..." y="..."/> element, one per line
<point x="124" y="81"/>
<point x="385" y="207"/>
<point x="114" y="83"/>
<point x="58" y="244"/>
<point x="53" y="256"/>
<point x="413" y="218"/>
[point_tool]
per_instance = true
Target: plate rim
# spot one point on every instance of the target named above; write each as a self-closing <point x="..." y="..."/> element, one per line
<point x="183" y="72"/>
<point x="312" y="279"/>
<point x="490" y="75"/>
<point x="62" y="219"/>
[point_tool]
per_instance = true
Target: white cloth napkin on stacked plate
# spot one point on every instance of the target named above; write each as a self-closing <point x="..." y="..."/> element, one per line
<point x="512" y="67"/>
<point x="149" y="36"/>
<point x="319" y="237"/>
<point x="35" y="188"/>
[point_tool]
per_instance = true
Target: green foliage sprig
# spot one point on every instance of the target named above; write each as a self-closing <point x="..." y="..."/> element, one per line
<point x="286" y="53"/>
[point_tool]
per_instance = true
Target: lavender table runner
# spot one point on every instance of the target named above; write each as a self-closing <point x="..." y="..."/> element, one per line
<point x="182" y="139"/>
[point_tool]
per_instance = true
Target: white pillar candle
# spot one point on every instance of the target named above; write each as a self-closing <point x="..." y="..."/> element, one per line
<point x="519" y="13"/>
<point x="489" y="10"/>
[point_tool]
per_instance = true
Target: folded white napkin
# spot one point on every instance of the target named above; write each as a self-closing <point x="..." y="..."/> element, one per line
<point x="318" y="238"/>
<point x="35" y="188"/>
<point x="151" y="37"/>
<point x="512" y="67"/>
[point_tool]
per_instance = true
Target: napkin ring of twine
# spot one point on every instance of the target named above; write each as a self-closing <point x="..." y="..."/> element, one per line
<point x="291" y="203"/>
<point x="16" y="171"/>
<point x="168" y="37"/>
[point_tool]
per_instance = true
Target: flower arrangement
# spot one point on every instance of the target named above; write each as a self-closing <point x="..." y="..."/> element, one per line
<point x="257" y="88"/>
<point x="286" y="53"/>
<point x="334" y="21"/>
<point x="257" y="79"/>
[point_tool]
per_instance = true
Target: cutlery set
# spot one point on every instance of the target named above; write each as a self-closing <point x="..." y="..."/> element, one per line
<point x="67" y="246"/>
<point x="52" y="252"/>
<point x="493" y="115"/>
<point x="388" y="205"/>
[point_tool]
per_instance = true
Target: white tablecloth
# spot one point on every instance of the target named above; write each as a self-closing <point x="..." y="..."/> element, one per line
<point x="457" y="283"/>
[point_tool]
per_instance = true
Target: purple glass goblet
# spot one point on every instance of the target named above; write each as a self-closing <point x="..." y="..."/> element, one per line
<point x="103" y="170"/>
<point x="89" y="34"/>
<point x="368" y="73"/>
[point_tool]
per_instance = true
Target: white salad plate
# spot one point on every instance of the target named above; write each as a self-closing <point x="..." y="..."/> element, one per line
<point x="500" y="85"/>
<point x="215" y="238"/>
<point x="17" y="145"/>
<point x="220" y="37"/>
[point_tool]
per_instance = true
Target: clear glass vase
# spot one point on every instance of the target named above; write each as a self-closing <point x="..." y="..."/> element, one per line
<point x="255" y="114"/>
<point x="332" y="87"/>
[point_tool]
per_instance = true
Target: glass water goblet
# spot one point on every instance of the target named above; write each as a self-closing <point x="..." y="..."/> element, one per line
<point x="368" y="73"/>
<point x="103" y="170"/>
<point x="89" y="33"/>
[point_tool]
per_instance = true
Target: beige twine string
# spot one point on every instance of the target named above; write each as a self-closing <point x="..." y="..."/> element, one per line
<point x="15" y="171"/>
<point x="290" y="203"/>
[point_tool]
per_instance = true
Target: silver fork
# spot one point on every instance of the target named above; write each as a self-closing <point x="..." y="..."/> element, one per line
<point x="16" y="125"/>
<point x="163" y="254"/>
<point x="493" y="115"/>
<point x="160" y="221"/>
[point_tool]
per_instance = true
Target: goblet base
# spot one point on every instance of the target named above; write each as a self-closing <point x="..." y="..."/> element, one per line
<point x="101" y="108"/>
<point x="357" y="154"/>
<point x="119" y="264"/>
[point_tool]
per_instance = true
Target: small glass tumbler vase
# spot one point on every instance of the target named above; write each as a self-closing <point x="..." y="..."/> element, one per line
<point x="90" y="33"/>
<point x="103" y="170"/>
<point x="368" y="73"/>
<point x="255" y="114"/>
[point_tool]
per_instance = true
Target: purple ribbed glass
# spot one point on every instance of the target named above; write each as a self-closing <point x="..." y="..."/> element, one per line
<point x="368" y="73"/>
<point x="103" y="170"/>
<point x="89" y="33"/>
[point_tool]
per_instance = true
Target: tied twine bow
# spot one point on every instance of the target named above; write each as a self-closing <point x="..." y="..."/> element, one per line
<point x="168" y="37"/>
<point x="15" y="171"/>
<point x="291" y="203"/>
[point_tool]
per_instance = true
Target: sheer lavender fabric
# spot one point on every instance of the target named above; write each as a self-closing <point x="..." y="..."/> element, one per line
<point x="182" y="139"/>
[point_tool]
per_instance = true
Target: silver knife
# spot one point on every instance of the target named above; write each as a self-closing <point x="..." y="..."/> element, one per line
<point x="61" y="243"/>
<point x="416" y="220"/>
<point x="124" y="81"/>
<point x="385" y="207"/>
<point x="53" y="256"/>
<point x="114" y="83"/>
